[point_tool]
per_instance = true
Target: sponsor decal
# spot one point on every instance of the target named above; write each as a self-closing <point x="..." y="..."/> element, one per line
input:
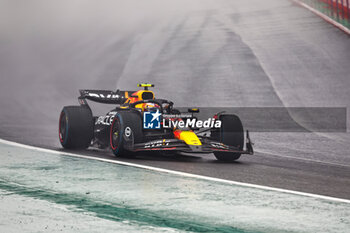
<point x="158" y="143"/>
<point x="105" y="120"/>
<point x="219" y="145"/>
<point x="127" y="131"/>
<point x="151" y="120"/>
<point x="108" y="96"/>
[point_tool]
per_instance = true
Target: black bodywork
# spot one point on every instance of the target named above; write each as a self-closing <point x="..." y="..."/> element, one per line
<point x="153" y="140"/>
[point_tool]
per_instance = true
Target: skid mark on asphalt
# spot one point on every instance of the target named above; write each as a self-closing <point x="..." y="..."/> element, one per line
<point x="226" y="65"/>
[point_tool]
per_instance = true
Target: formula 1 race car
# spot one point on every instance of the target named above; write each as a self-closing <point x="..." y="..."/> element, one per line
<point x="141" y="122"/>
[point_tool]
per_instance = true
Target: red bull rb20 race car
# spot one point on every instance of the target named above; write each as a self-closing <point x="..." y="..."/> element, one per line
<point x="140" y="122"/>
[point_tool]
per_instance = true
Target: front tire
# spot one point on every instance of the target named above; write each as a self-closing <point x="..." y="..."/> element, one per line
<point x="76" y="127"/>
<point x="231" y="133"/>
<point x="126" y="128"/>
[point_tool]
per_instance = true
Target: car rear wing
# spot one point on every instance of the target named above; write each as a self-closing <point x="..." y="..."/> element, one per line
<point x="104" y="96"/>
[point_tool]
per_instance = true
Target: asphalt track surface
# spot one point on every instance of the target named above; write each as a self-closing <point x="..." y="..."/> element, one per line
<point x="199" y="53"/>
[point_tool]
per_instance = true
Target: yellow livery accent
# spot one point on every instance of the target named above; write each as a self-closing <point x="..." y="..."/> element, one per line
<point x="145" y="85"/>
<point x="189" y="137"/>
<point x="142" y="93"/>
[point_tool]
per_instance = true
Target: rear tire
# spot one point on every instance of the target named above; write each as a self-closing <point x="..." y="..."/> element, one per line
<point x="76" y="127"/>
<point x="231" y="133"/>
<point x="126" y="125"/>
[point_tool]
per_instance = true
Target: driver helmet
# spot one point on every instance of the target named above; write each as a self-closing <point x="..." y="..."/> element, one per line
<point x="150" y="107"/>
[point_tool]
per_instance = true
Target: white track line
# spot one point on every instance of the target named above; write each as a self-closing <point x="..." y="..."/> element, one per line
<point x="323" y="16"/>
<point x="184" y="174"/>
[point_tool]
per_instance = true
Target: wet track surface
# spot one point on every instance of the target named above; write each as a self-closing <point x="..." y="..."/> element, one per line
<point x="212" y="53"/>
<point x="71" y="194"/>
